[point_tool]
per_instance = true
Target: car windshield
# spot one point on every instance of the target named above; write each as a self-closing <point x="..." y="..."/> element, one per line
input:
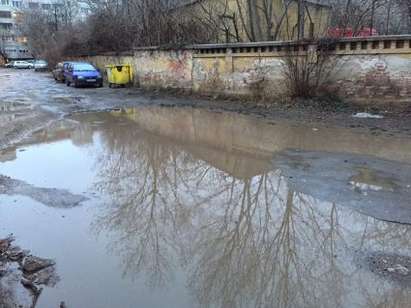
<point x="83" y="67"/>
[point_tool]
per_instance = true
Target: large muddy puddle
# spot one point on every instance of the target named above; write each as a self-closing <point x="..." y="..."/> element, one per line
<point x="167" y="207"/>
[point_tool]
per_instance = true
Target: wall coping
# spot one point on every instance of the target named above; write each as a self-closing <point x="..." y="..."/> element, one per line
<point x="305" y="42"/>
<point x="255" y="45"/>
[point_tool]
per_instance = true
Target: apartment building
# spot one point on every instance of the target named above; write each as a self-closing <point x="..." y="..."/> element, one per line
<point x="13" y="46"/>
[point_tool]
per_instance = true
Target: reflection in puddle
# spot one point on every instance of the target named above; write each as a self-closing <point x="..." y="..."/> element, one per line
<point x="192" y="207"/>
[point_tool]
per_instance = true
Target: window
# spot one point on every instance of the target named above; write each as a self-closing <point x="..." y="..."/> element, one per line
<point x="16" y="3"/>
<point x="33" y="5"/>
<point x="5" y="2"/>
<point x="46" y="6"/>
<point x="6" y="26"/>
<point x="83" y="67"/>
<point x="5" y="14"/>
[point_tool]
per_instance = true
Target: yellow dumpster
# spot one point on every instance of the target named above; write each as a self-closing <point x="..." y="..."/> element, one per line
<point x="119" y="75"/>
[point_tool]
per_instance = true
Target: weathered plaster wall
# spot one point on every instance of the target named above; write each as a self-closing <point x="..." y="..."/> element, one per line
<point x="373" y="78"/>
<point x="370" y="79"/>
<point x="253" y="76"/>
<point x="153" y="68"/>
<point x="163" y="69"/>
<point x="363" y="70"/>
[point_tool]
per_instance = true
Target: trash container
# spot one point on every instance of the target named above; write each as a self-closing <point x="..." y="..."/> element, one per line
<point x="119" y="75"/>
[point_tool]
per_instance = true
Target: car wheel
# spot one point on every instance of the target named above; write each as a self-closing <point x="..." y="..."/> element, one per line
<point x="100" y="85"/>
<point x="76" y="84"/>
<point x="68" y="83"/>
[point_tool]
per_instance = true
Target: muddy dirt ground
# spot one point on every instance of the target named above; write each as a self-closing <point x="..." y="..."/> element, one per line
<point x="33" y="102"/>
<point x="29" y="101"/>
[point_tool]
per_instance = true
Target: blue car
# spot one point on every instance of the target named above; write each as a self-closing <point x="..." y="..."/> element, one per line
<point x="82" y="74"/>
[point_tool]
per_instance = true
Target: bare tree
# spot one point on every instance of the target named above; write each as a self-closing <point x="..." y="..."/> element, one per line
<point x="306" y="72"/>
<point x="300" y="19"/>
<point x="386" y="16"/>
<point x="245" y="20"/>
<point x="406" y="5"/>
<point x="49" y="31"/>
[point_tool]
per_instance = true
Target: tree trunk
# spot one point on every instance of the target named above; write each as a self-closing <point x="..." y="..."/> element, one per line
<point x="372" y="16"/>
<point x="387" y="26"/>
<point x="252" y="18"/>
<point x="301" y="19"/>
<point x="409" y="16"/>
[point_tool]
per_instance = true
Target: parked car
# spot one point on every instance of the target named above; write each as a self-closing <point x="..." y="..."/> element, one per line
<point x="23" y="64"/>
<point x="82" y="74"/>
<point x="66" y="66"/>
<point x="40" y="65"/>
<point x="9" y="64"/>
<point x="336" y="32"/>
<point x="60" y="70"/>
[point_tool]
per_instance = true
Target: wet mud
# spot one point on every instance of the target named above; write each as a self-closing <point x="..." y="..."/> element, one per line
<point x="394" y="267"/>
<point x="375" y="187"/>
<point x="52" y="197"/>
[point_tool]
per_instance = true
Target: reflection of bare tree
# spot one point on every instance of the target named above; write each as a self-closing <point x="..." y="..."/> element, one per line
<point x="249" y="242"/>
<point x="254" y="255"/>
<point x="139" y="180"/>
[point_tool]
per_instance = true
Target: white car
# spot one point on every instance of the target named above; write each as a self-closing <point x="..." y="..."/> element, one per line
<point x="23" y="64"/>
<point x="9" y="64"/>
<point x="40" y="65"/>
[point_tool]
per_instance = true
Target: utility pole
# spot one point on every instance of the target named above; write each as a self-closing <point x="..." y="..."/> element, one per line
<point x="301" y="19"/>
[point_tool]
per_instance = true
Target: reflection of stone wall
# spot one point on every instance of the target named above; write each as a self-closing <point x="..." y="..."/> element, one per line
<point x="365" y="70"/>
<point x="232" y="132"/>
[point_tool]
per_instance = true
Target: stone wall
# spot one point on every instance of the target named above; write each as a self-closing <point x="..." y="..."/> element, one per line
<point x="364" y="70"/>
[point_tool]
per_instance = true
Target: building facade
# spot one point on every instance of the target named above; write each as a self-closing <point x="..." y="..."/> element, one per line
<point x="13" y="45"/>
<point x="258" y="20"/>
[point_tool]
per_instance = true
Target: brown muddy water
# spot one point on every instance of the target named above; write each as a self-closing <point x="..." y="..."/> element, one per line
<point x="190" y="208"/>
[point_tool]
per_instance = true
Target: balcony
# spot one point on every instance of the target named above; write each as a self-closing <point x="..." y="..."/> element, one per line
<point x="6" y="21"/>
